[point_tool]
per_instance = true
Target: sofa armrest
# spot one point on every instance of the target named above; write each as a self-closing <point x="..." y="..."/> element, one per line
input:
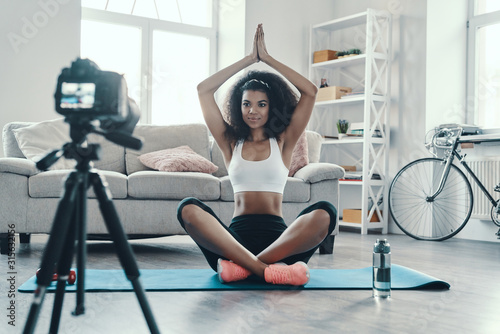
<point x="319" y="171"/>
<point x="18" y="166"/>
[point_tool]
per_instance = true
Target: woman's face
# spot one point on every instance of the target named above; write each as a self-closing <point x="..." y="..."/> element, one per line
<point x="255" y="108"/>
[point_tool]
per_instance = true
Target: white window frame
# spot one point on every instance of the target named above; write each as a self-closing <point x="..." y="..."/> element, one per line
<point x="474" y="23"/>
<point x="147" y="26"/>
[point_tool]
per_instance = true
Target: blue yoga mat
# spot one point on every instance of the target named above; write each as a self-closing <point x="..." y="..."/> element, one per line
<point x="205" y="279"/>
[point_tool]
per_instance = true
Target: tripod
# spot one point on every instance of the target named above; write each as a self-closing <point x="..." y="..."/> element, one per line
<point x="69" y="228"/>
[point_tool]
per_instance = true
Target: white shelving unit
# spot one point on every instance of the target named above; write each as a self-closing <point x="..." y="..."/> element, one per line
<point x="368" y="73"/>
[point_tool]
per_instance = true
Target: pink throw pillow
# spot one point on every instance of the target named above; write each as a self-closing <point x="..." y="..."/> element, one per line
<point x="179" y="159"/>
<point x="299" y="155"/>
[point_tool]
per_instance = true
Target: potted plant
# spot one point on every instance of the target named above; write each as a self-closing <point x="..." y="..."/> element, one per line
<point x="348" y="53"/>
<point x="342" y="127"/>
<point x="354" y="52"/>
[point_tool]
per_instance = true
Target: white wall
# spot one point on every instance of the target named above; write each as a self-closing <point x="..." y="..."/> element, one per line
<point x="446" y="62"/>
<point x="39" y="38"/>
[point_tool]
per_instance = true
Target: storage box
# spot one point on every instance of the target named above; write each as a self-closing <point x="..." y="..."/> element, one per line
<point x="332" y="93"/>
<point x="349" y="168"/>
<point x="324" y="55"/>
<point x="354" y="216"/>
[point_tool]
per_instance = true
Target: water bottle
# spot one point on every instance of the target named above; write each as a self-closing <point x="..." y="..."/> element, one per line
<point x="382" y="269"/>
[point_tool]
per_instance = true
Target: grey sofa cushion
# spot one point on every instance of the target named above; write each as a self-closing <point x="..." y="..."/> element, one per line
<point x="314" y="141"/>
<point x="296" y="190"/>
<point x="226" y="189"/>
<point x="173" y="185"/>
<point x="111" y="158"/>
<point x="18" y="166"/>
<point x="319" y="171"/>
<point x="10" y="147"/>
<point x="156" y="137"/>
<point x="38" y="139"/>
<point x="218" y="160"/>
<point x="51" y="184"/>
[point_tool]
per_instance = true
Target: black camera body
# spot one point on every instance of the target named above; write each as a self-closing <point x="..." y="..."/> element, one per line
<point x="93" y="101"/>
<point x="85" y="91"/>
<point x="85" y="94"/>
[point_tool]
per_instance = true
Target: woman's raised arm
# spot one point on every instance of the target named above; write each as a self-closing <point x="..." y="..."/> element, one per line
<point x="209" y="107"/>
<point x="306" y="88"/>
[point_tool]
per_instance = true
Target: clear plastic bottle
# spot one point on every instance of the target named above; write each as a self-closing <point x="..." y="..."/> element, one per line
<point x="382" y="269"/>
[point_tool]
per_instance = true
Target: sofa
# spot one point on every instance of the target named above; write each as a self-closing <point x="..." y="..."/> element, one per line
<point x="146" y="199"/>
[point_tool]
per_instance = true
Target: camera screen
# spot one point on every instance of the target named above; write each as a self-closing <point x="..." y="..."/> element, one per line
<point x="77" y="95"/>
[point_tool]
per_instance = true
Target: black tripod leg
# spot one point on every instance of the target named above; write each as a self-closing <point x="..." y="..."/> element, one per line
<point x="63" y="269"/>
<point x="123" y="249"/>
<point x="81" y="217"/>
<point x="53" y="249"/>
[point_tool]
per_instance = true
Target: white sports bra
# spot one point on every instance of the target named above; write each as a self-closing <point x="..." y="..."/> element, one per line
<point x="264" y="175"/>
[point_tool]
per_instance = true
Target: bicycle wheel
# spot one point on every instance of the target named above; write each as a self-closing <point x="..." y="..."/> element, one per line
<point x="420" y="218"/>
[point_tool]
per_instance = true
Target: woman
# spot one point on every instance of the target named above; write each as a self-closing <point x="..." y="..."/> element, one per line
<point x="264" y="122"/>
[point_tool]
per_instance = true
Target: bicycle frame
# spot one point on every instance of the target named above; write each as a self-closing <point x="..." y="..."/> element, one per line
<point x="449" y="160"/>
<point x="472" y="174"/>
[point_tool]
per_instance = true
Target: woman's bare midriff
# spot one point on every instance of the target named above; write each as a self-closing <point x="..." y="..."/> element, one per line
<point x="257" y="202"/>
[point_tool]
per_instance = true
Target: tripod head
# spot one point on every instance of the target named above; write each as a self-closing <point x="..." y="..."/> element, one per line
<point x="79" y="150"/>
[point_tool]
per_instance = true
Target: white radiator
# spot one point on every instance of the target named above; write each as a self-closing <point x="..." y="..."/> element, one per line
<point x="488" y="172"/>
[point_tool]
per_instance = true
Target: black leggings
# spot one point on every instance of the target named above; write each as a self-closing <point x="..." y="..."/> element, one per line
<point x="257" y="232"/>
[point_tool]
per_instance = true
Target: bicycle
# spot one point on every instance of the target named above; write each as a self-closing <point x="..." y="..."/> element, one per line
<point x="431" y="198"/>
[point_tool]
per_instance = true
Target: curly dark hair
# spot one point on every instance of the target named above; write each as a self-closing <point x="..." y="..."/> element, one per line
<point x="282" y="103"/>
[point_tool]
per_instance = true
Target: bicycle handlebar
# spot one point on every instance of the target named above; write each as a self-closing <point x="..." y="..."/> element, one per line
<point x="444" y="138"/>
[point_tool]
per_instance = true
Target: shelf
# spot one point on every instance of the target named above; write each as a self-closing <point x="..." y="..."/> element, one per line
<point x="368" y="73"/>
<point x="342" y="23"/>
<point x="357" y="99"/>
<point x="349" y="61"/>
<point x="332" y="141"/>
<point x="350" y="21"/>
<point x="352" y="183"/>
<point x="360" y="183"/>
<point x="358" y="225"/>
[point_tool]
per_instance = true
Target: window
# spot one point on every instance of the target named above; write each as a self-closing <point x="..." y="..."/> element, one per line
<point x="483" y="73"/>
<point x="164" y="48"/>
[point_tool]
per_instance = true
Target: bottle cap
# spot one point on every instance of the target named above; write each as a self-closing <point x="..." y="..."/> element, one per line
<point x="382" y="246"/>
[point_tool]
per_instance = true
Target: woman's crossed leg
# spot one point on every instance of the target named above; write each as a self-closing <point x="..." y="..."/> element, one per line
<point x="297" y="242"/>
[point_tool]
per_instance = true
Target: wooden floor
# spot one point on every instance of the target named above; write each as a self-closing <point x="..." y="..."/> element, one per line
<point x="472" y="305"/>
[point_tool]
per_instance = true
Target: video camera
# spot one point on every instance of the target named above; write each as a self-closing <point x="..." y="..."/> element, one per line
<point x="85" y="93"/>
<point x="93" y="101"/>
